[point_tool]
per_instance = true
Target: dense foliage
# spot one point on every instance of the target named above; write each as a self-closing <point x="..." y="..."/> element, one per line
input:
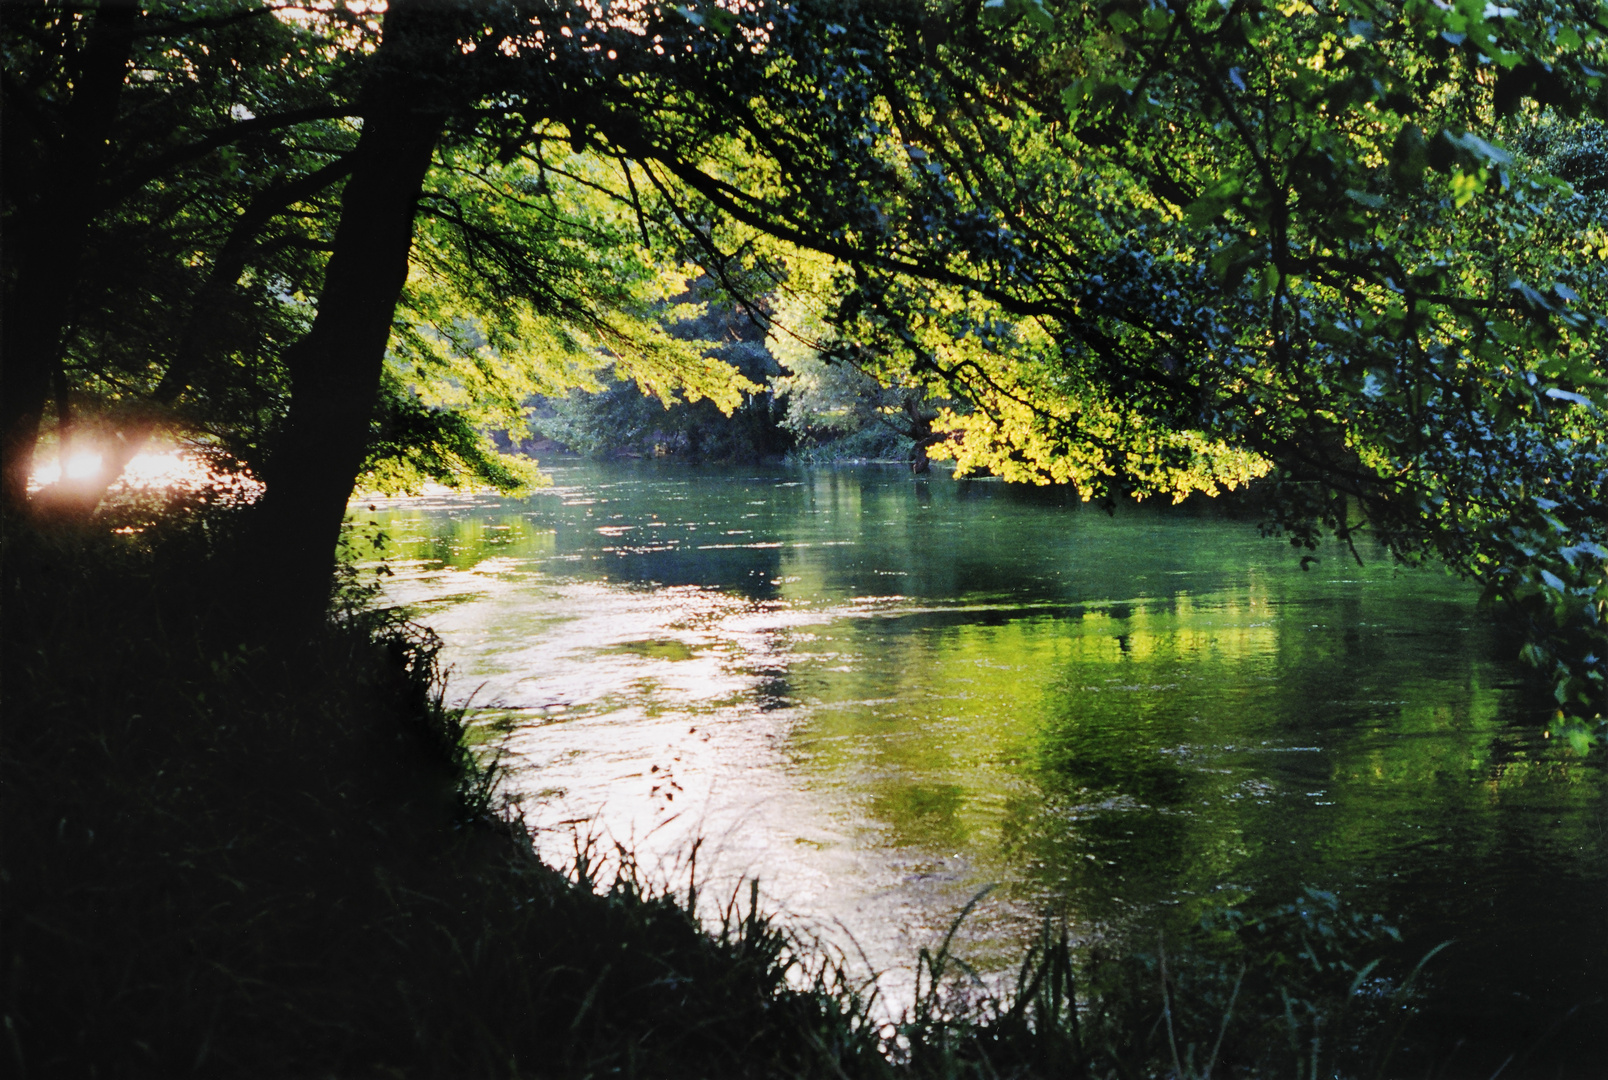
<point x="1354" y="248"/>
<point x="209" y="216"/>
<point x="626" y="419"/>
<point x="1166" y="248"/>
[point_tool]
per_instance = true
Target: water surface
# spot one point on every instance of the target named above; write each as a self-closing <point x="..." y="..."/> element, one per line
<point x="879" y="694"/>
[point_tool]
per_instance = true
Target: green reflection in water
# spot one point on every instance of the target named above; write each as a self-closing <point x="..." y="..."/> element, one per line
<point x="928" y="685"/>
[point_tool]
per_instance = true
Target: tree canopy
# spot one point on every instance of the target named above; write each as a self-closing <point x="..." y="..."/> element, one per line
<point x="1354" y="251"/>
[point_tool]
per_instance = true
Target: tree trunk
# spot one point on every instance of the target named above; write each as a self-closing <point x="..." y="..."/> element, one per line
<point x="335" y="370"/>
<point x="47" y="241"/>
<point x="921" y="418"/>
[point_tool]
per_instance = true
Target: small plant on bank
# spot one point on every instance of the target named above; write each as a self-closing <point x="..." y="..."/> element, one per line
<point x="1302" y="990"/>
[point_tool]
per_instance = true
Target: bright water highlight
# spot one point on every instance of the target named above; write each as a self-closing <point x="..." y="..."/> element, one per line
<point x="878" y="694"/>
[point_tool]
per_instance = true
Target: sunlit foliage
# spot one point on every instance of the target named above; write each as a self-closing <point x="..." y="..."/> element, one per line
<point x="1171" y="247"/>
<point x="1147" y="248"/>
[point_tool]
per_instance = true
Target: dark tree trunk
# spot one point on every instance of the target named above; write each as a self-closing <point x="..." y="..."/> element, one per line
<point x="47" y="238"/>
<point x="335" y="370"/>
<point x="920" y="417"/>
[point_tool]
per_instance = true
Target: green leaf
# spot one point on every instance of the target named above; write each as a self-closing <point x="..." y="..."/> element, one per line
<point x="1484" y="152"/>
<point x="1409" y="156"/>
<point x="1218" y="198"/>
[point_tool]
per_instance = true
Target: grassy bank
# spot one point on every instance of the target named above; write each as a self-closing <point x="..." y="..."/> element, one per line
<point x="277" y="859"/>
<point x="227" y="855"/>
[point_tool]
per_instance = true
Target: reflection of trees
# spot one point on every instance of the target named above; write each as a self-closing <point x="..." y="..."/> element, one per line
<point x="464" y="539"/>
<point x="1121" y="790"/>
<point x="631" y="536"/>
<point x="923" y="814"/>
<point x="1128" y="735"/>
<point x="1151" y="751"/>
<point x="995" y="542"/>
<point x="1202" y="780"/>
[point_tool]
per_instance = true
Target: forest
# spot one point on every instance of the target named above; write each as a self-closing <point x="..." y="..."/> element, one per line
<point x="1344" y="259"/>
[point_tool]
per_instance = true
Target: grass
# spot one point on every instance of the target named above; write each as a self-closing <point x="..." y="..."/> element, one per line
<point x="232" y="856"/>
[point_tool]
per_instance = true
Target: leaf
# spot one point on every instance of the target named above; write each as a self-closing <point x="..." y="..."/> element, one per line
<point x="1409" y="156"/>
<point x="1037" y="15"/>
<point x="1206" y="209"/>
<point x="1570" y="396"/>
<point x="1074" y="95"/>
<point x="1531" y="299"/>
<point x="1362" y="976"/>
<point x="1484" y="151"/>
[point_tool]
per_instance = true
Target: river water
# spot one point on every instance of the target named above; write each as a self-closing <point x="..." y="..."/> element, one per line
<point x="878" y="694"/>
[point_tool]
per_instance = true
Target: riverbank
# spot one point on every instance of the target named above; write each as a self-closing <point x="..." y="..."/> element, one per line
<point x="280" y="859"/>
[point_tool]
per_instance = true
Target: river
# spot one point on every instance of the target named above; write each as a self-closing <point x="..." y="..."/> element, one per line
<point x="878" y="695"/>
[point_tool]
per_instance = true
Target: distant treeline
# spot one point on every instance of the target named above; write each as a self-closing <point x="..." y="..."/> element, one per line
<point x="801" y="408"/>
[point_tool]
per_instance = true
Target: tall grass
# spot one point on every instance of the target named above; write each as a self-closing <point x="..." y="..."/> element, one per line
<point x="232" y="855"/>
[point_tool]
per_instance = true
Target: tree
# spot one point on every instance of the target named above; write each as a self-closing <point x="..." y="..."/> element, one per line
<point x="194" y="222"/>
<point x="46" y="230"/>
<point x="1157" y="247"/>
<point x="174" y="243"/>
<point x="831" y="397"/>
<point x="1172" y="247"/>
<point x="1326" y="258"/>
<point x="459" y="73"/>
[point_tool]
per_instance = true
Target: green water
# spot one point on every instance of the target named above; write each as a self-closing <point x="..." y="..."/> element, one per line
<point x="878" y="694"/>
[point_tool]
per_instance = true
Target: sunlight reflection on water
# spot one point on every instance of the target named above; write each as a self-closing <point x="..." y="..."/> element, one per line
<point x="644" y="717"/>
<point x="892" y="693"/>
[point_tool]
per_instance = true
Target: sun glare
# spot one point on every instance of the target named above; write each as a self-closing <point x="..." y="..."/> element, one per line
<point x="151" y="470"/>
<point x="80" y="466"/>
<point x="83" y="465"/>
